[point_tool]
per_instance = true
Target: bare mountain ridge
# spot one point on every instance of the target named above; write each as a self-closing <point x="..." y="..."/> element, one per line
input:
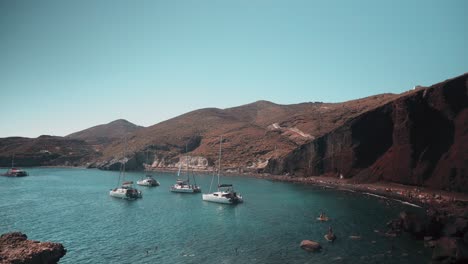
<point x="106" y="132"/>
<point x="253" y="133"/>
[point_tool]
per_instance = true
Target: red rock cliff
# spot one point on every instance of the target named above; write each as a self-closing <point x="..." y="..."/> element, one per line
<point x="420" y="138"/>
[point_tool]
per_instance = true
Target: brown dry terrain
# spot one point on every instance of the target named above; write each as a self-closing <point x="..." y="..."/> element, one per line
<point x="102" y="134"/>
<point x="252" y="134"/>
<point x="45" y="151"/>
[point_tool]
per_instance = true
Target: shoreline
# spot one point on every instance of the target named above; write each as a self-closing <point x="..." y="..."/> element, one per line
<point x="451" y="202"/>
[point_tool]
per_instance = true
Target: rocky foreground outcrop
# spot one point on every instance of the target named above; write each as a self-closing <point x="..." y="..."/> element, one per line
<point x="419" y="138"/>
<point x="446" y="234"/>
<point x="16" y="248"/>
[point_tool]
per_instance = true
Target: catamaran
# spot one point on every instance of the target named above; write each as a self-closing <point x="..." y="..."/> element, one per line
<point x="14" y="172"/>
<point x="126" y="190"/>
<point x="226" y="193"/>
<point x="183" y="185"/>
<point x="149" y="180"/>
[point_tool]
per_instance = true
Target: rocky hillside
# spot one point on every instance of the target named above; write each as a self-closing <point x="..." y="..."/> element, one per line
<point x="106" y="133"/>
<point x="45" y="151"/>
<point x="252" y="134"/>
<point x="420" y="138"/>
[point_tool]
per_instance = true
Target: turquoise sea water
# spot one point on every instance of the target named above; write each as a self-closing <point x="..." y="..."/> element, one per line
<point x="73" y="207"/>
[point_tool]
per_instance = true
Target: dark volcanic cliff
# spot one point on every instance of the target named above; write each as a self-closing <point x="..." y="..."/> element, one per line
<point x="420" y="138"/>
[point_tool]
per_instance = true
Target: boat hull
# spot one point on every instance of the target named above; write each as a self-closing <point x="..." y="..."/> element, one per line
<point x="148" y="183"/>
<point x="185" y="190"/>
<point x="124" y="194"/>
<point x="223" y="200"/>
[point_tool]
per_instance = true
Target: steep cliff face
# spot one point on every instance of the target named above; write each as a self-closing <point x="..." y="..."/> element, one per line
<point x="419" y="138"/>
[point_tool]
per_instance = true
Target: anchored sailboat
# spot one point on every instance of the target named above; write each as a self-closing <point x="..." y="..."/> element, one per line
<point x="183" y="185"/>
<point x="225" y="193"/>
<point x="14" y="172"/>
<point x="149" y="180"/>
<point x="126" y="190"/>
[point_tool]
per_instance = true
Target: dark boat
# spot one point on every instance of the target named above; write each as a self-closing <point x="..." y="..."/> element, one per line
<point x="15" y="172"/>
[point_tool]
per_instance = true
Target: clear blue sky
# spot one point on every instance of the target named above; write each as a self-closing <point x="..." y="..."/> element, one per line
<point x="70" y="65"/>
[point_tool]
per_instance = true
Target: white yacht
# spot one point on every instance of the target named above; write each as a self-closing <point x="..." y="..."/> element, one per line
<point x="225" y="193"/>
<point x="148" y="181"/>
<point x="126" y="191"/>
<point x="184" y="185"/>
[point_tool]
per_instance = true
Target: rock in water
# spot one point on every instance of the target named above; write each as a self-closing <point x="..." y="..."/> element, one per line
<point x="16" y="248"/>
<point x="310" y="246"/>
<point x="330" y="237"/>
<point x="450" y="250"/>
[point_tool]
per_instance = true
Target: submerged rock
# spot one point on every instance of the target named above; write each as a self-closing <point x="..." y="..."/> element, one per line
<point x="450" y="250"/>
<point x="16" y="248"/>
<point x="310" y="245"/>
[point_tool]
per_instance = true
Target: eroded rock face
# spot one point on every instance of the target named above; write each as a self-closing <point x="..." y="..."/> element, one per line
<point x="16" y="248"/>
<point x="418" y="139"/>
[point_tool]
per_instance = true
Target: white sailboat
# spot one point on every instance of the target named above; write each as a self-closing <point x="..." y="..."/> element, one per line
<point x="126" y="190"/>
<point x="183" y="185"/>
<point x="149" y="180"/>
<point x="225" y="193"/>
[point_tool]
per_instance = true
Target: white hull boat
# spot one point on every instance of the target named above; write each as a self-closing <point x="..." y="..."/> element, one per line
<point x="126" y="191"/>
<point x="225" y="193"/>
<point x="149" y="181"/>
<point x="184" y="187"/>
<point x="222" y="197"/>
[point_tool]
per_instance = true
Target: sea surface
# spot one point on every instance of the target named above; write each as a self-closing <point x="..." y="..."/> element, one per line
<point x="73" y="207"/>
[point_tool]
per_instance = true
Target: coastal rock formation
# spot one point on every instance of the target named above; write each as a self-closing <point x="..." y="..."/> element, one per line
<point x="16" y="248"/>
<point x="419" y="138"/>
<point x="450" y="250"/>
<point x="311" y="246"/>
<point x="441" y="231"/>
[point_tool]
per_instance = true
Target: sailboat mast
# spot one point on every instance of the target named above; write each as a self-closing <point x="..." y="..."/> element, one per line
<point x="219" y="159"/>
<point x="187" y="164"/>
<point x="13" y="161"/>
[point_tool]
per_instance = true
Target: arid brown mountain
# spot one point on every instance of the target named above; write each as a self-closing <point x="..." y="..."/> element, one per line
<point x="252" y="134"/>
<point x="106" y="133"/>
<point x="420" y="138"/>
